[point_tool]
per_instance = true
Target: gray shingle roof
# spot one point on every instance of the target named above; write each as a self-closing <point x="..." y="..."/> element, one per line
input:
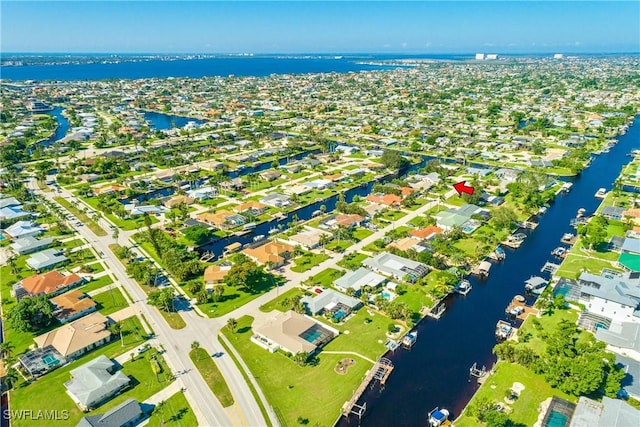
<point x="92" y="382"/>
<point x="359" y="278"/>
<point x="120" y="415"/>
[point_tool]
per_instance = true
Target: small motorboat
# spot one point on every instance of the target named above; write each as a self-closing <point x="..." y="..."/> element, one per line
<point x="463" y="287"/>
<point x="438" y="417"/>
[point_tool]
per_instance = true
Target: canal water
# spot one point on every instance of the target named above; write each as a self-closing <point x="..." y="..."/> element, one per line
<point x="435" y="372"/>
<point x="160" y="121"/>
<point x="61" y="130"/>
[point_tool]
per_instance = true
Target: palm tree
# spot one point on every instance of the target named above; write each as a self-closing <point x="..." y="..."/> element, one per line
<point x="116" y="233"/>
<point x="195" y="346"/>
<point x="218" y="291"/>
<point x="116" y="328"/>
<point x="232" y="324"/>
<point x="10" y="377"/>
<point x="12" y="262"/>
<point x="6" y="349"/>
<point x="160" y="408"/>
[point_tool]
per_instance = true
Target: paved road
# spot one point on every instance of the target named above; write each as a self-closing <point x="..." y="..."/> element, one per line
<point x="206" y="407"/>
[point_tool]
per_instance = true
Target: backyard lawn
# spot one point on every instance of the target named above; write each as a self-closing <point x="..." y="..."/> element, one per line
<point x="212" y="376"/>
<point x="313" y="393"/>
<point x="352" y="261"/>
<point x="525" y="408"/>
<point x="574" y="264"/>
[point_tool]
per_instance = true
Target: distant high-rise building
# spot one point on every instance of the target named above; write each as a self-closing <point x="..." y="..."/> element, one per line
<point x="558" y="56"/>
<point x="479" y="56"/>
<point x="491" y="56"/>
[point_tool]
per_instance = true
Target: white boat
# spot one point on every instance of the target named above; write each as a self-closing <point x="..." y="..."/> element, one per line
<point x="535" y="285"/>
<point x="273" y="231"/>
<point x="258" y="237"/>
<point x="463" y="287"/>
<point x="601" y="193"/>
<point x="410" y="339"/>
<point x="503" y="330"/>
<point x="581" y="212"/>
<point x="249" y="226"/>
<point x="438" y="417"/>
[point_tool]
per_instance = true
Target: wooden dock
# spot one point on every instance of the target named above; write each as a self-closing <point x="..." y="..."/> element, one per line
<point x="549" y="267"/>
<point x="380" y="372"/>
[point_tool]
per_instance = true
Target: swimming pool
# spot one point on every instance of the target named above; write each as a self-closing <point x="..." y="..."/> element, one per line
<point x="338" y="315"/>
<point x="50" y="360"/>
<point x="557" y="419"/>
<point x="385" y="295"/>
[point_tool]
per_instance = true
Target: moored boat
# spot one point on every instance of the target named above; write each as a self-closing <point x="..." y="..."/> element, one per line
<point x="463" y="287"/>
<point x="438" y="417"/>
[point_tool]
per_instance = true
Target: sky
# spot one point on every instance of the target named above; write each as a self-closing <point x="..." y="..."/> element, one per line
<point x="317" y="27"/>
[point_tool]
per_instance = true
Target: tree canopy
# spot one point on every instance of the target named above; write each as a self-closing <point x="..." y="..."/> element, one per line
<point x="31" y="314"/>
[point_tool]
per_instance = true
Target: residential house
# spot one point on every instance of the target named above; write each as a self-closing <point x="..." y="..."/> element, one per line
<point x="29" y="244"/>
<point x="308" y="239"/>
<point x="297" y="189"/>
<point x="7" y="202"/>
<point x="126" y="414"/>
<point x="109" y="189"/>
<point x="203" y="193"/>
<point x="615" y="298"/>
<point x="615" y="213"/>
<point x="631" y="382"/>
<point x="607" y="413"/>
<point x="273" y="252"/>
<point x="395" y="266"/>
<point x="384" y="199"/>
<point x="12" y="213"/>
<point x="95" y="382"/>
<point x="358" y="279"/>
<point x="292" y="332"/>
<point x="72" y="305"/>
<point x="404" y="244"/>
<point x="178" y="200"/>
<point x="251" y="207"/>
<point x="426" y="233"/>
<point x="133" y="209"/>
<point x="319" y="184"/>
<point x="236" y="184"/>
<point x="276" y="200"/>
<point x="270" y="175"/>
<point x="46" y="259"/>
<point x="215" y="274"/>
<point x="330" y="301"/>
<point x="222" y="219"/>
<point x="507" y="175"/>
<point x="74" y="339"/>
<point x="342" y="220"/>
<point x="51" y="283"/>
<point x="23" y="229"/>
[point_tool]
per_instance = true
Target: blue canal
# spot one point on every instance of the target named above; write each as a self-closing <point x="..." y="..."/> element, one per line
<point x="435" y="372"/>
<point x="160" y="121"/>
<point x="62" y="128"/>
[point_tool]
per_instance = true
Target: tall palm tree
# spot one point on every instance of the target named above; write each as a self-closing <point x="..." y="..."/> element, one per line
<point x="6" y="348"/>
<point x="160" y="408"/>
<point x="116" y="329"/>
<point x="232" y="324"/>
<point x="10" y="377"/>
<point x="195" y="346"/>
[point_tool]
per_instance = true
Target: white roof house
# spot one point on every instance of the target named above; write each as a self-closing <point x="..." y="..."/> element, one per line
<point x="46" y="259"/>
<point x="23" y="229"/>
<point x="358" y="279"/>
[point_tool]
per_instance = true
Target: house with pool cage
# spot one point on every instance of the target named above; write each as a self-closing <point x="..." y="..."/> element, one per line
<point x="293" y="333"/>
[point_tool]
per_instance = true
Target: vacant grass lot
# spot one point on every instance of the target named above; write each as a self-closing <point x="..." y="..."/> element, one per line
<point x="96" y="284"/>
<point x="352" y="261"/>
<point x="307" y="261"/>
<point x="315" y="393"/>
<point x="326" y="277"/>
<point x="212" y="376"/>
<point x="276" y="303"/>
<point x="110" y="301"/>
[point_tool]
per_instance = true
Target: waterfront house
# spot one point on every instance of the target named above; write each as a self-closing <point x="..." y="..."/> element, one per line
<point x="292" y="332"/>
<point x="95" y="382"/>
<point x="126" y="414"/>
<point x="396" y="266"/>
<point x="613" y="213"/>
<point x="51" y="283"/>
<point x="251" y="207"/>
<point x="614" y="298"/>
<point x="23" y="229"/>
<point x="177" y="201"/>
<point x="273" y="252"/>
<point x="215" y="274"/>
<point x="222" y="219"/>
<point x="29" y="244"/>
<point x="348" y="221"/>
<point x="358" y="279"/>
<point x="236" y="184"/>
<point x="607" y="413"/>
<point x="330" y="301"/>
<point x="384" y="199"/>
<point x="46" y="259"/>
<point x="74" y="339"/>
<point x="203" y="193"/>
<point x="276" y="200"/>
<point x="270" y="175"/>
<point x="308" y="239"/>
<point x="72" y="305"/>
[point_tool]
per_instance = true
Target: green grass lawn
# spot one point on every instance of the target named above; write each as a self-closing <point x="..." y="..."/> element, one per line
<point x="174" y="320"/>
<point x="73" y="243"/>
<point x="276" y="303"/>
<point x="467" y="246"/>
<point x="530" y="333"/>
<point x="339" y="245"/>
<point x="366" y="337"/>
<point x="97" y="267"/>
<point x="326" y="277"/>
<point x="96" y="284"/>
<point x="525" y="408"/>
<point x="307" y="261"/>
<point x="176" y="412"/>
<point x="48" y="392"/>
<point x="352" y="261"/>
<point x="212" y="376"/>
<point x="392" y="215"/>
<point x="93" y="226"/>
<point x="573" y="265"/>
<point x="234" y="297"/>
<point x="315" y="393"/>
<point x="415" y="298"/>
<point x="110" y="301"/>
<point x="360" y="233"/>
